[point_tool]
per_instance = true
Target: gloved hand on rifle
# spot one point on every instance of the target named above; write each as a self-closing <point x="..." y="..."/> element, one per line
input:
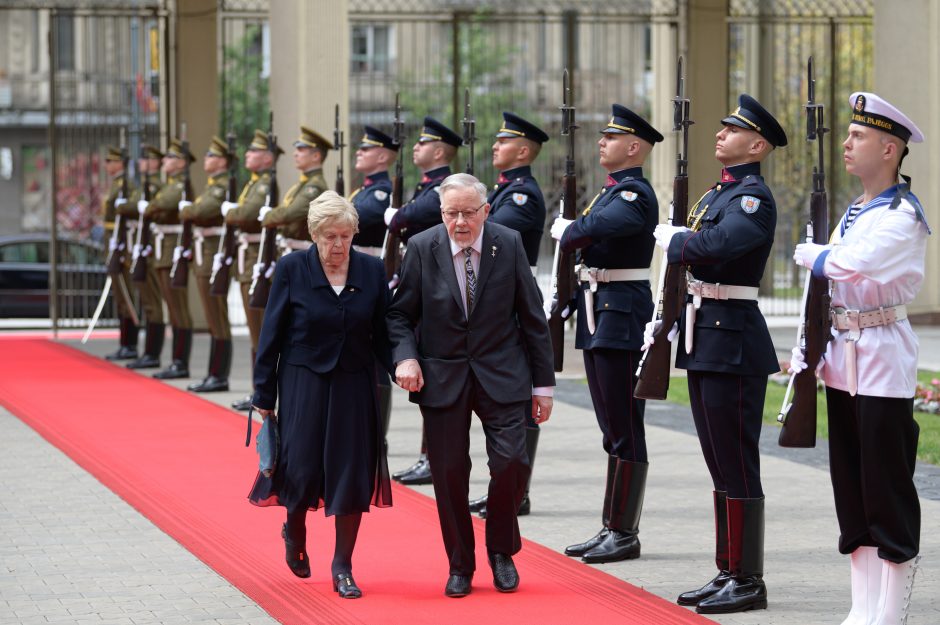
<point x="806" y="254"/>
<point x="664" y="233"/>
<point x="651" y="328"/>
<point x="558" y="228"/>
<point x="798" y="361"/>
<point x="387" y="216"/>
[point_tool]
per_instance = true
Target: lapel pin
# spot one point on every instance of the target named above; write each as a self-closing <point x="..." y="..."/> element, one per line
<point x="493" y="253"/>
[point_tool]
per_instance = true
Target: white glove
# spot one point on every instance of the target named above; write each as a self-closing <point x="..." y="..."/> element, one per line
<point x="389" y="213"/>
<point x="121" y="201"/>
<point x="112" y="245"/>
<point x="806" y="254"/>
<point x="142" y="206"/>
<point x="256" y="271"/>
<point x="558" y="228"/>
<point x="665" y="232"/>
<point x="270" y="271"/>
<point x="651" y="329"/>
<point x="797" y="361"/>
<point x="227" y="206"/>
<point x="264" y="211"/>
<point x="217" y="259"/>
<point x="183" y="204"/>
<point x="177" y="253"/>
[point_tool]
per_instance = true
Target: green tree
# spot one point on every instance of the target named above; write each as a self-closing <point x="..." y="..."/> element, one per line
<point x="244" y="104"/>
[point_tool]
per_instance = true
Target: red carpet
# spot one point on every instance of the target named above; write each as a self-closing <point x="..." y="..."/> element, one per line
<point x="182" y="463"/>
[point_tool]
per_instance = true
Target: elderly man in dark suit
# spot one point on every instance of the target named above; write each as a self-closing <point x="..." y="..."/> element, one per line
<point x="485" y="348"/>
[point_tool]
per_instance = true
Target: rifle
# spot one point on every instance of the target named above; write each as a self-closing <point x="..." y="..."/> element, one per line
<point x="223" y="259"/>
<point x="653" y="371"/>
<point x="391" y="248"/>
<point x="469" y="130"/>
<point x="799" y="416"/>
<point x="339" y="145"/>
<point x="142" y="247"/>
<point x="264" y="268"/>
<point x="179" y="272"/>
<point x="563" y="278"/>
<point x="118" y="244"/>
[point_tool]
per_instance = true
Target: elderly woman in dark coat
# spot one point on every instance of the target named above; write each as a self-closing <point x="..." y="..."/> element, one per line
<point x="324" y="331"/>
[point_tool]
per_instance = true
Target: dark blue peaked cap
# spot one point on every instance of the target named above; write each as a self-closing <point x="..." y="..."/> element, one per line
<point x="625" y="121"/>
<point x="375" y="138"/>
<point x="751" y="115"/>
<point x="436" y="131"/>
<point x="515" y="126"/>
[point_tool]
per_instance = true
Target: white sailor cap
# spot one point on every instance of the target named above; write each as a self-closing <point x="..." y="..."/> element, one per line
<point x="871" y="110"/>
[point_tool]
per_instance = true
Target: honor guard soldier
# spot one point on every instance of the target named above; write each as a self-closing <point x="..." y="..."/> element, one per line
<point x="875" y="261"/>
<point x="614" y="239"/>
<point x="163" y="212"/>
<point x="114" y="166"/>
<point x="376" y="153"/>
<point x="726" y="348"/>
<point x="516" y="202"/>
<point x="206" y="215"/>
<point x="259" y="160"/>
<point x="432" y="154"/>
<point x="150" y="301"/>
<point x="290" y="218"/>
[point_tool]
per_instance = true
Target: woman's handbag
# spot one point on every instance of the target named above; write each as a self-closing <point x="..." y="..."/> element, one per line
<point x="267" y="443"/>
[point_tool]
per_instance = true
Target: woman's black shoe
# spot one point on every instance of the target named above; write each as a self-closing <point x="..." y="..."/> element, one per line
<point x="296" y="558"/>
<point x="345" y="586"/>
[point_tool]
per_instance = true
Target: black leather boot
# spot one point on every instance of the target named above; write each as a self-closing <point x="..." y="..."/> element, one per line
<point x="626" y="504"/>
<point x="420" y="464"/>
<point x="220" y="363"/>
<point x="745" y="590"/>
<point x="721" y="555"/>
<point x="182" y="346"/>
<point x="128" y="341"/>
<point x="153" y="345"/>
<point x="580" y="549"/>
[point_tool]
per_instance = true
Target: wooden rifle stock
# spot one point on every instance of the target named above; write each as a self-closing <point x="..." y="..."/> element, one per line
<point x="391" y="253"/>
<point x="179" y="273"/>
<point x="221" y="271"/>
<point x="261" y="283"/>
<point x="139" y="266"/>
<point x="115" y="261"/>
<point x="339" y="145"/>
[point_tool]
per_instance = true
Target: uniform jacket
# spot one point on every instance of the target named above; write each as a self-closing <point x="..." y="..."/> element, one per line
<point x="616" y="232"/>
<point x="424" y="209"/>
<point x="291" y="216"/>
<point x="114" y="191"/>
<point x="371" y="200"/>
<point x="306" y="324"/>
<point x="516" y="202"/>
<point x="254" y="195"/>
<point x="205" y="212"/>
<point x="504" y="343"/>
<point x="878" y="261"/>
<point x="731" y="246"/>
<point x="164" y="210"/>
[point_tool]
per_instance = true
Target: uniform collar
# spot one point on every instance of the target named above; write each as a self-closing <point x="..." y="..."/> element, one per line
<point x="435" y="174"/>
<point x="619" y="176"/>
<point x="511" y="174"/>
<point x="738" y="172"/>
<point x="376" y="177"/>
<point x="307" y="175"/>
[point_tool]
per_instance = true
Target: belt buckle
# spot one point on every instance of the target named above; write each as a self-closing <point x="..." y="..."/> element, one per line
<point x="592" y="278"/>
<point x="855" y="332"/>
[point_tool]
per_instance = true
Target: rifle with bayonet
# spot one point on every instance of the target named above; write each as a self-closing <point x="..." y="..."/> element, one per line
<point x="223" y="259"/>
<point x="563" y="278"/>
<point x="142" y="247"/>
<point x="799" y="416"/>
<point x="469" y="131"/>
<point x="339" y="145"/>
<point x="179" y="272"/>
<point x="264" y="268"/>
<point x="391" y="248"/>
<point x="656" y="363"/>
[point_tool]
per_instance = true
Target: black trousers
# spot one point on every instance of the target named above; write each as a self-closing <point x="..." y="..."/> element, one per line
<point x="872" y="452"/>
<point x="727" y="409"/>
<point x="448" y="432"/>
<point x="611" y="375"/>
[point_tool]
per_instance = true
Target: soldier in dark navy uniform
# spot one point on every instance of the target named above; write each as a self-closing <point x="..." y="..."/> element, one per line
<point x="433" y="153"/>
<point x="726" y="348"/>
<point x="516" y="202"/>
<point x="376" y="153"/>
<point x="614" y="236"/>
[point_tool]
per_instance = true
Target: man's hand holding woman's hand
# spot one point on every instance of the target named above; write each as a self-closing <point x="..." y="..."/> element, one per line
<point x="408" y="375"/>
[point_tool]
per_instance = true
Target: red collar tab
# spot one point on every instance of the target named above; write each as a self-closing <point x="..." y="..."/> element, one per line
<point x="726" y="176"/>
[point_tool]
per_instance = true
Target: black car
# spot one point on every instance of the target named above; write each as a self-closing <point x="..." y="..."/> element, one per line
<point x="24" y="276"/>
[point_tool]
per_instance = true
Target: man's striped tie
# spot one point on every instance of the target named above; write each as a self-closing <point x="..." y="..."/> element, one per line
<point x="471" y="279"/>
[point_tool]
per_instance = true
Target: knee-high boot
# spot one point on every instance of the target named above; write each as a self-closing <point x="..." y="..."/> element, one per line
<point x="745" y="590"/>
<point x="182" y="347"/>
<point x="866" y="585"/>
<point x="894" y="599"/>
<point x="580" y="549"/>
<point x="626" y="504"/>
<point x="420" y="471"/>
<point x="220" y="363"/>
<point x="153" y="345"/>
<point x="721" y="554"/>
<point x="128" y="341"/>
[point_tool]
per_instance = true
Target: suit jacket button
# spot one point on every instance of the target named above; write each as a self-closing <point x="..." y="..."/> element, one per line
<point x="717" y="323"/>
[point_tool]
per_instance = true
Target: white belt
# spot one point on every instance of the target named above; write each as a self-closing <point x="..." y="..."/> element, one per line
<point x="289" y="245"/>
<point x="164" y="230"/>
<point x="855" y="321"/>
<point x="593" y="275"/>
<point x="244" y="240"/>
<point x="371" y="250"/>
<point x="704" y="290"/>
<point x="199" y="236"/>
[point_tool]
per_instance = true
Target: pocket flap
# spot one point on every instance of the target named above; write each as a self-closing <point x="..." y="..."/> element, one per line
<point x="613" y="300"/>
<point x="720" y="318"/>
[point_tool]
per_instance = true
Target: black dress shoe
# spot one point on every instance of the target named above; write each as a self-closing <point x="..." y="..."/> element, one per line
<point x="144" y="362"/>
<point x="345" y="586"/>
<point x="580" y="549"/>
<point x="209" y="384"/>
<point x="737" y="595"/>
<point x="296" y="557"/>
<point x="477" y="504"/>
<point x="124" y="353"/>
<point x="615" y="547"/>
<point x="505" y="576"/>
<point x="421" y="475"/>
<point x="457" y="586"/>
<point x="397" y="475"/>
<point x="693" y="597"/>
<point x="177" y="369"/>
<point x="242" y="404"/>
<point x="525" y="507"/>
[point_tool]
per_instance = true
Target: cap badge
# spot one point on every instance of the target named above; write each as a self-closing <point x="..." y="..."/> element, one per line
<point x="859" y="104"/>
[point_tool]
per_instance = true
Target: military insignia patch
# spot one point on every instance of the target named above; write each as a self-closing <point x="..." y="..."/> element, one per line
<point x="381" y="196"/>
<point x="628" y="196"/>
<point x="520" y="198"/>
<point x="217" y="192"/>
<point x="749" y="204"/>
<point x="263" y="188"/>
<point x="310" y="191"/>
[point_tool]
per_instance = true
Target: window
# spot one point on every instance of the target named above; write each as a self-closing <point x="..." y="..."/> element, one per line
<point x="25" y="253"/>
<point x="65" y="40"/>
<point x="372" y="49"/>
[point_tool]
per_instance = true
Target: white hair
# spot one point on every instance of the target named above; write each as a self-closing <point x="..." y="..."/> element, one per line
<point x="463" y="181"/>
<point x="330" y="208"/>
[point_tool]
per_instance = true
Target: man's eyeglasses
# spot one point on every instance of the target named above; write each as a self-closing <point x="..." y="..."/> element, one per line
<point x="452" y="215"/>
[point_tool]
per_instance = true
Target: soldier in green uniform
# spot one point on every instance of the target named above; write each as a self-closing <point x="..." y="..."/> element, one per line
<point x="310" y="150"/>
<point x="163" y="212"/>
<point x="114" y="166"/>
<point x="206" y="215"/>
<point x="149" y="167"/>
<point x="259" y="160"/>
